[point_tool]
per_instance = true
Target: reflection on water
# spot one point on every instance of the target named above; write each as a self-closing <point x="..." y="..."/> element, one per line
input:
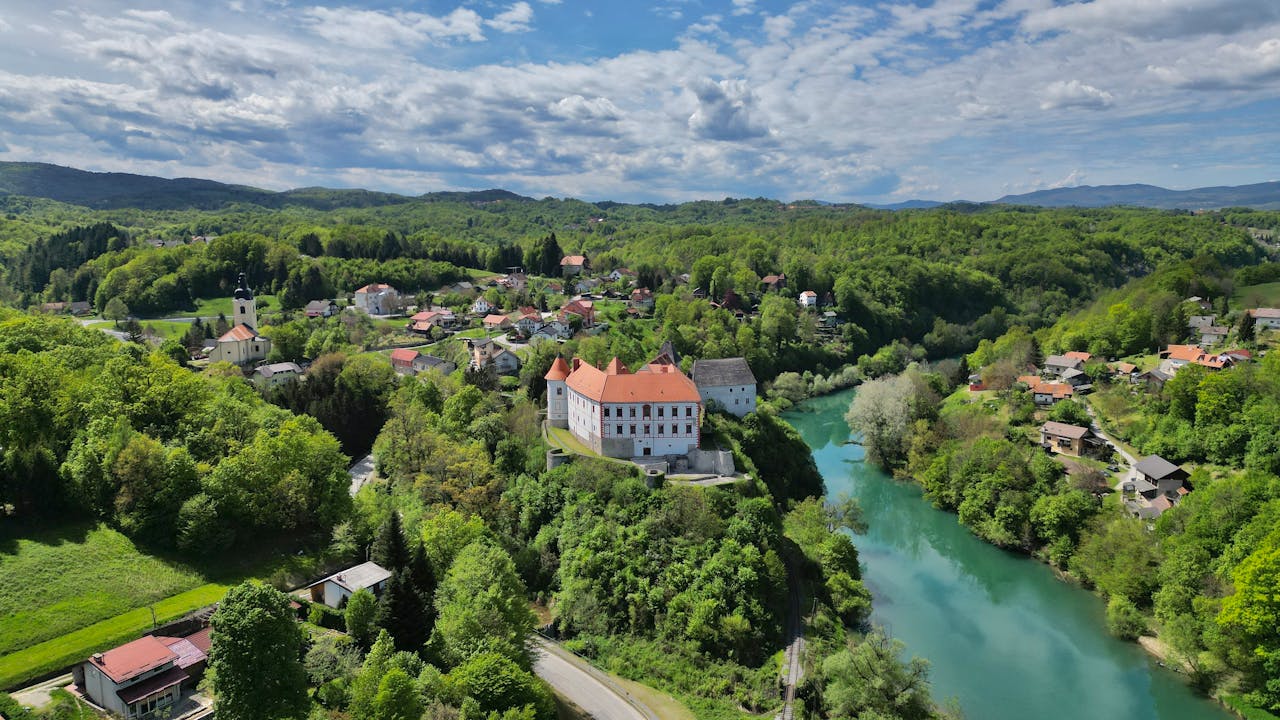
<point x="1004" y="636"/>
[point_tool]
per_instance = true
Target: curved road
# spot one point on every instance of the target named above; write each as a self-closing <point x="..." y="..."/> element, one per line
<point x="585" y="686"/>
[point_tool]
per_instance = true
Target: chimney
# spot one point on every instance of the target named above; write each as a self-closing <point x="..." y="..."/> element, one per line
<point x="97" y="657"/>
<point x="576" y="363"/>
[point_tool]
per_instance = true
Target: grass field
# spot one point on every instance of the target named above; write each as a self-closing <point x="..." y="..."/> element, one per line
<point x="57" y="582"/>
<point x="164" y="328"/>
<point x="211" y="307"/>
<point x="52" y="655"/>
<point x="1250" y="296"/>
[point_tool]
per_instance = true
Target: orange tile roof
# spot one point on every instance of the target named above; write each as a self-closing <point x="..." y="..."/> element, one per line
<point x="1029" y="380"/>
<point x="495" y="319"/>
<point x="239" y="332"/>
<point x="133" y="659"/>
<point x="1058" y="390"/>
<point x="403" y="355"/>
<point x="573" y="260"/>
<point x="424" y="315"/>
<point x="559" y="370"/>
<point x="664" y="383"/>
<point x="373" y="288"/>
<point x="1187" y="353"/>
<point x="615" y="368"/>
<point x="1078" y="355"/>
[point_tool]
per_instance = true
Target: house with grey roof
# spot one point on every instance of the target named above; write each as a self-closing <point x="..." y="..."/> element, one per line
<point x="276" y="373"/>
<point x="336" y="589"/>
<point x="726" y="382"/>
<point x="1059" y="364"/>
<point x="1161" y="478"/>
<point x="1070" y="439"/>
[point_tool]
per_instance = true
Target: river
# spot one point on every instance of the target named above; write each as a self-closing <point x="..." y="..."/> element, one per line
<point x="1004" y="636"/>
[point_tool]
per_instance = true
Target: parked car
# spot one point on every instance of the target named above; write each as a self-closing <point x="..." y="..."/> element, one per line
<point x="1113" y="468"/>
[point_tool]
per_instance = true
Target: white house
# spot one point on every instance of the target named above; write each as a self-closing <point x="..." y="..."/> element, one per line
<point x="482" y="306"/>
<point x="336" y="589"/>
<point x="485" y="351"/>
<point x="1268" y="318"/>
<point x="321" y="308"/>
<point x="655" y="411"/>
<point x="809" y="299"/>
<point x="728" y="383"/>
<point x="143" y="678"/>
<point x="276" y="373"/>
<point x="242" y="344"/>
<point x="378" y="299"/>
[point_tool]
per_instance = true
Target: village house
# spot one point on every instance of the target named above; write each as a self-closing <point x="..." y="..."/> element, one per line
<point x="1213" y="334"/>
<point x="1059" y="364"/>
<point x="378" y="299"/>
<point x="515" y="282"/>
<point x="1266" y="318"/>
<point x="774" y="282"/>
<point x="402" y="360"/>
<point x="1200" y="302"/>
<point x="526" y="320"/>
<point x="1126" y="371"/>
<point x="485" y="351"/>
<point x="809" y="300"/>
<point x="458" y="288"/>
<point x="621" y="274"/>
<point x="321" y="308"/>
<point x="584" y="309"/>
<point x="655" y="411"/>
<point x="336" y="589"/>
<point x="242" y="344"/>
<point x="496" y="322"/>
<point x="571" y="265"/>
<point x="1175" y="357"/>
<point x="1070" y="439"/>
<point x="1155" y="379"/>
<point x="422" y="322"/>
<point x="1201" y="321"/>
<point x="482" y="306"/>
<point x="1160" y="483"/>
<point x="276" y="373"/>
<point x="1048" y="393"/>
<point x="424" y="362"/>
<point x="642" y="299"/>
<point x="726" y="383"/>
<point x="1076" y="379"/>
<point x="144" y="678"/>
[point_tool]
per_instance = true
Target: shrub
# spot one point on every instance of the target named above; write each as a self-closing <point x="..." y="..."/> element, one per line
<point x="1124" y="619"/>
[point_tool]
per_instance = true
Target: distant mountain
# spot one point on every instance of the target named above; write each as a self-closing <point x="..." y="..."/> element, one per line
<point x="105" y="191"/>
<point x="1262" y="196"/>
<point x="906" y="205"/>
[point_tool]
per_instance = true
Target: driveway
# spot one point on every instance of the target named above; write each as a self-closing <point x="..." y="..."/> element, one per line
<point x="361" y="473"/>
<point x="1130" y="460"/>
<point x="588" y="688"/>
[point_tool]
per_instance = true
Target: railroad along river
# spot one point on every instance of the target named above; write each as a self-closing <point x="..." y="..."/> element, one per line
<point x="1004" y="636"/>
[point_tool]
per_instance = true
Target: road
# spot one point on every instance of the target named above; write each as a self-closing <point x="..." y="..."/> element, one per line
<point x="1130" y="461"/>
<point x="360" y="473"/>
<point x="793" y="667"/>
<point x="588" y="688"/>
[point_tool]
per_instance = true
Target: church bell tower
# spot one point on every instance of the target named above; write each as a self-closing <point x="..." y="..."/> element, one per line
<point x="242" y="304"/>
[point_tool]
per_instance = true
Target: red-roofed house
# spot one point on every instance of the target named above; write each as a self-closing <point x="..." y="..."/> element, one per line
<point x="402" y="360"/>
<point x="497" y="322"/>
<point x="1078" y="355"/>
<point x="617" y="413"/>
<point x="774" y="282"/>
<point x="1048" y="393"/>
<point x="140" y="679"/>
<point x="584" y="309"/>
<point x="573" y="265"/>
<point x="1176" y="356"/>
<point x="808" y="299"/>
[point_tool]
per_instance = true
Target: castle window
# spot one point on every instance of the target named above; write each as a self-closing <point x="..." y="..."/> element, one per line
<point x="647" y="431"/>
<point x="241" y="309"/>
<point x="633" y="412"/>
<point x="688" y="429"/>
<point x="660" y="411"/>
<point x="618" y="430"/>
<point x="633" y="429"/>
<point x="660" y="426"/>
<point x="559" y="391"/>
<point x="688" y="411"/>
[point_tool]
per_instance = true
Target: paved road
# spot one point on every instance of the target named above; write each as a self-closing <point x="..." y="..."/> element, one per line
<point x="1130" y="461"/>
<point x="588" y="688"/>
<point x="360" y="473"/>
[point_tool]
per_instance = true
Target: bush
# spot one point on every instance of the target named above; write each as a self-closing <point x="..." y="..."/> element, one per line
<point x="327" y="617"/>
<point x="1124" y="619"/>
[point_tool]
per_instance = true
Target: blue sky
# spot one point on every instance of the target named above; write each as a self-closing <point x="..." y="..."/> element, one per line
<point x="673" y="100"/>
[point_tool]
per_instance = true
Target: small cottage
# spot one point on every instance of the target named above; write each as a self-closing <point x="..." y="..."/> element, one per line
<point x="336" y="589"/>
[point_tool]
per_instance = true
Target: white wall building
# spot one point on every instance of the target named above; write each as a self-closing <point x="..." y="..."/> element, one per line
<point x="242" y="344"/>
<point x="654" y="411"/>
<point x="338" y="587"/>
<point x="378" y="299"/>
<point x="728" y="383"/>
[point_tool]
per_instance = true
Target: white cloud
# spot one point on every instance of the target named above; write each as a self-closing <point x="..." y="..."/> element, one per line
<point x="1074" y="178"/>
<point x="1154" y="18"/>
<point x="374" y="29"/>
<point x="1231" y="66"/>
<point x="514" y="19"/>
<point x="1074" y="94"/>
<point x="744" y="7"/>
<point x="725" y="111"/>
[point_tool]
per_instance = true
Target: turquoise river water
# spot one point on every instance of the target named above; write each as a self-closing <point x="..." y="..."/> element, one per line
<point x="1004" y="636"/>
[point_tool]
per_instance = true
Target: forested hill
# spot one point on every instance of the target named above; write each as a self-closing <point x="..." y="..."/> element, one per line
<point x="106" y="191"/>
<point x="1262" y="196"/>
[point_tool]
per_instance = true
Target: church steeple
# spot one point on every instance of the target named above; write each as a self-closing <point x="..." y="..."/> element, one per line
<point x="243" y="306"/>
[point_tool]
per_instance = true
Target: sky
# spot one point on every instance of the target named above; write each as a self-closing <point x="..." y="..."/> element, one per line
<point x="868" y="101"/>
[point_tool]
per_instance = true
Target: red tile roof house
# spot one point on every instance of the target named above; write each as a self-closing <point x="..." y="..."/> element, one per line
<point x="573" y="264"/>
<point x="402" y="360"/>
<point x="139" y="679"/>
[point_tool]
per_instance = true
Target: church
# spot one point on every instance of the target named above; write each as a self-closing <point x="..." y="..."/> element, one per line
<point x="242" y="344"/>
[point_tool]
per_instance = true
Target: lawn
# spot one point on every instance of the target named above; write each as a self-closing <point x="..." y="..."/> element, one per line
<point x="1250" y="296"/>
<point x="60" y="581"/>
<point x="211" y="307"/>
<point x="74" y="590"/>
<point x="565" y="440"/>
<point x="51" y="655"/>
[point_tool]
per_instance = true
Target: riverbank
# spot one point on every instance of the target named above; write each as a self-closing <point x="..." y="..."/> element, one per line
<point x="1005" y="638"/>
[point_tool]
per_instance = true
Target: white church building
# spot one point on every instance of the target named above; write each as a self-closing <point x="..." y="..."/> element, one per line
<point x="242" y="344"/>
<point x="655" y="411"/>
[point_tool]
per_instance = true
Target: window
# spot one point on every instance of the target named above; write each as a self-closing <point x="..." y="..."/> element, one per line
<point x="633" y="429"/>
<point x="648" y="411"/>
<point x="688" y="411"/>
<point x="660" y="410"/>
<point x="647" y="431"/>
<point x="559" y="391"/>
<point x="688" y="429"/>
<point x="660" y="426"/>
<point x="241" y="309"/>
<point x="618" y="430"/>
<point x="675" y="428"/>
<point x="633" y="412"/>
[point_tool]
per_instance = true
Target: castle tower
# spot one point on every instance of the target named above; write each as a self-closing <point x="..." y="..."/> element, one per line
<point x="242" y="305"/>
<point x="558" y="393"/>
